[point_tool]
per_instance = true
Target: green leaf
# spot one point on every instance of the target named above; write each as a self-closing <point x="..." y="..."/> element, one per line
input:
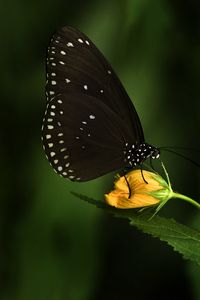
<point x="183" y="239"/>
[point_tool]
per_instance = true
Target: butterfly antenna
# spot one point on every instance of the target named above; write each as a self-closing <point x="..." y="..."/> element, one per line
<point x="181" y="148"/>
<point x="181" y="155"/>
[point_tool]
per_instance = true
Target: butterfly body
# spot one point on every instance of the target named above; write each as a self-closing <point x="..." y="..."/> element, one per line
<point x="90" y="125"/>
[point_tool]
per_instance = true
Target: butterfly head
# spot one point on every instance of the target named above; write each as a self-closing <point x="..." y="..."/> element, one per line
<point x="155" y="153"/>
<point x="136" y="154"/>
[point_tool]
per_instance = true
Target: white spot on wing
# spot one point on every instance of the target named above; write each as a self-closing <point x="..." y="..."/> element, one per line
<point x="69" y="44"/>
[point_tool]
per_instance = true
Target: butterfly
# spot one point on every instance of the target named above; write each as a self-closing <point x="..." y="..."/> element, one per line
<point x="90" y="126"/>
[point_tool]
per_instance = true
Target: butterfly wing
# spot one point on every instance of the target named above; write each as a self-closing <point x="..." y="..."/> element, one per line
<point x="74" y="64"/>
<point x="89" y="116"/>
<point x="83" y="138"/>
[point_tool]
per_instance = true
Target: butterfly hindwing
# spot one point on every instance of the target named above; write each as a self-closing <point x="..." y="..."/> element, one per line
<point x="77" y="143"/>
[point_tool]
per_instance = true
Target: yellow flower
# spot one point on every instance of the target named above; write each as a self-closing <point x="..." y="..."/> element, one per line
<point x="154" y="193"/>
<point x="142" y="194"/>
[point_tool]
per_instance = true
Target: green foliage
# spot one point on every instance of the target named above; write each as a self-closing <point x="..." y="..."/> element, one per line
<point x="183" y="239"/>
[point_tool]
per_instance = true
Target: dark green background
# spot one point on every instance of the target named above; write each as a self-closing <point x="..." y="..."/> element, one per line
<point x="52" y="245"/>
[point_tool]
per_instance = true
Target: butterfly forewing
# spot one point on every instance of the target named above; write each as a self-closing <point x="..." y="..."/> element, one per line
<point x="74" y="63"/>
<point x="89" y="116"/>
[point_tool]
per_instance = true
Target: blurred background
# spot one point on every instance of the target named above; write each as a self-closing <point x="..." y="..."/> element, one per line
<point x="52" y="245"/>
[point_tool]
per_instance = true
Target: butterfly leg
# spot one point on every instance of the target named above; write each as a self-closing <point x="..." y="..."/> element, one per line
<point x="143" y="174"/>
<point x="151" y="163"/>
<point x="129" y="189"/>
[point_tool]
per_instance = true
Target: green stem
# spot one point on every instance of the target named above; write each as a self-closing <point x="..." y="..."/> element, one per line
<point x="167" y="176"/>
<point x="183" y="197"/>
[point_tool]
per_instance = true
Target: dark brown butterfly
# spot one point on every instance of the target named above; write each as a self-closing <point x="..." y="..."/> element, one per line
<point x="90" y="126"/>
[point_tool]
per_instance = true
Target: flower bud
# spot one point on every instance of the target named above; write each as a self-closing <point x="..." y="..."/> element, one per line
<point x="139" y="193"/>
